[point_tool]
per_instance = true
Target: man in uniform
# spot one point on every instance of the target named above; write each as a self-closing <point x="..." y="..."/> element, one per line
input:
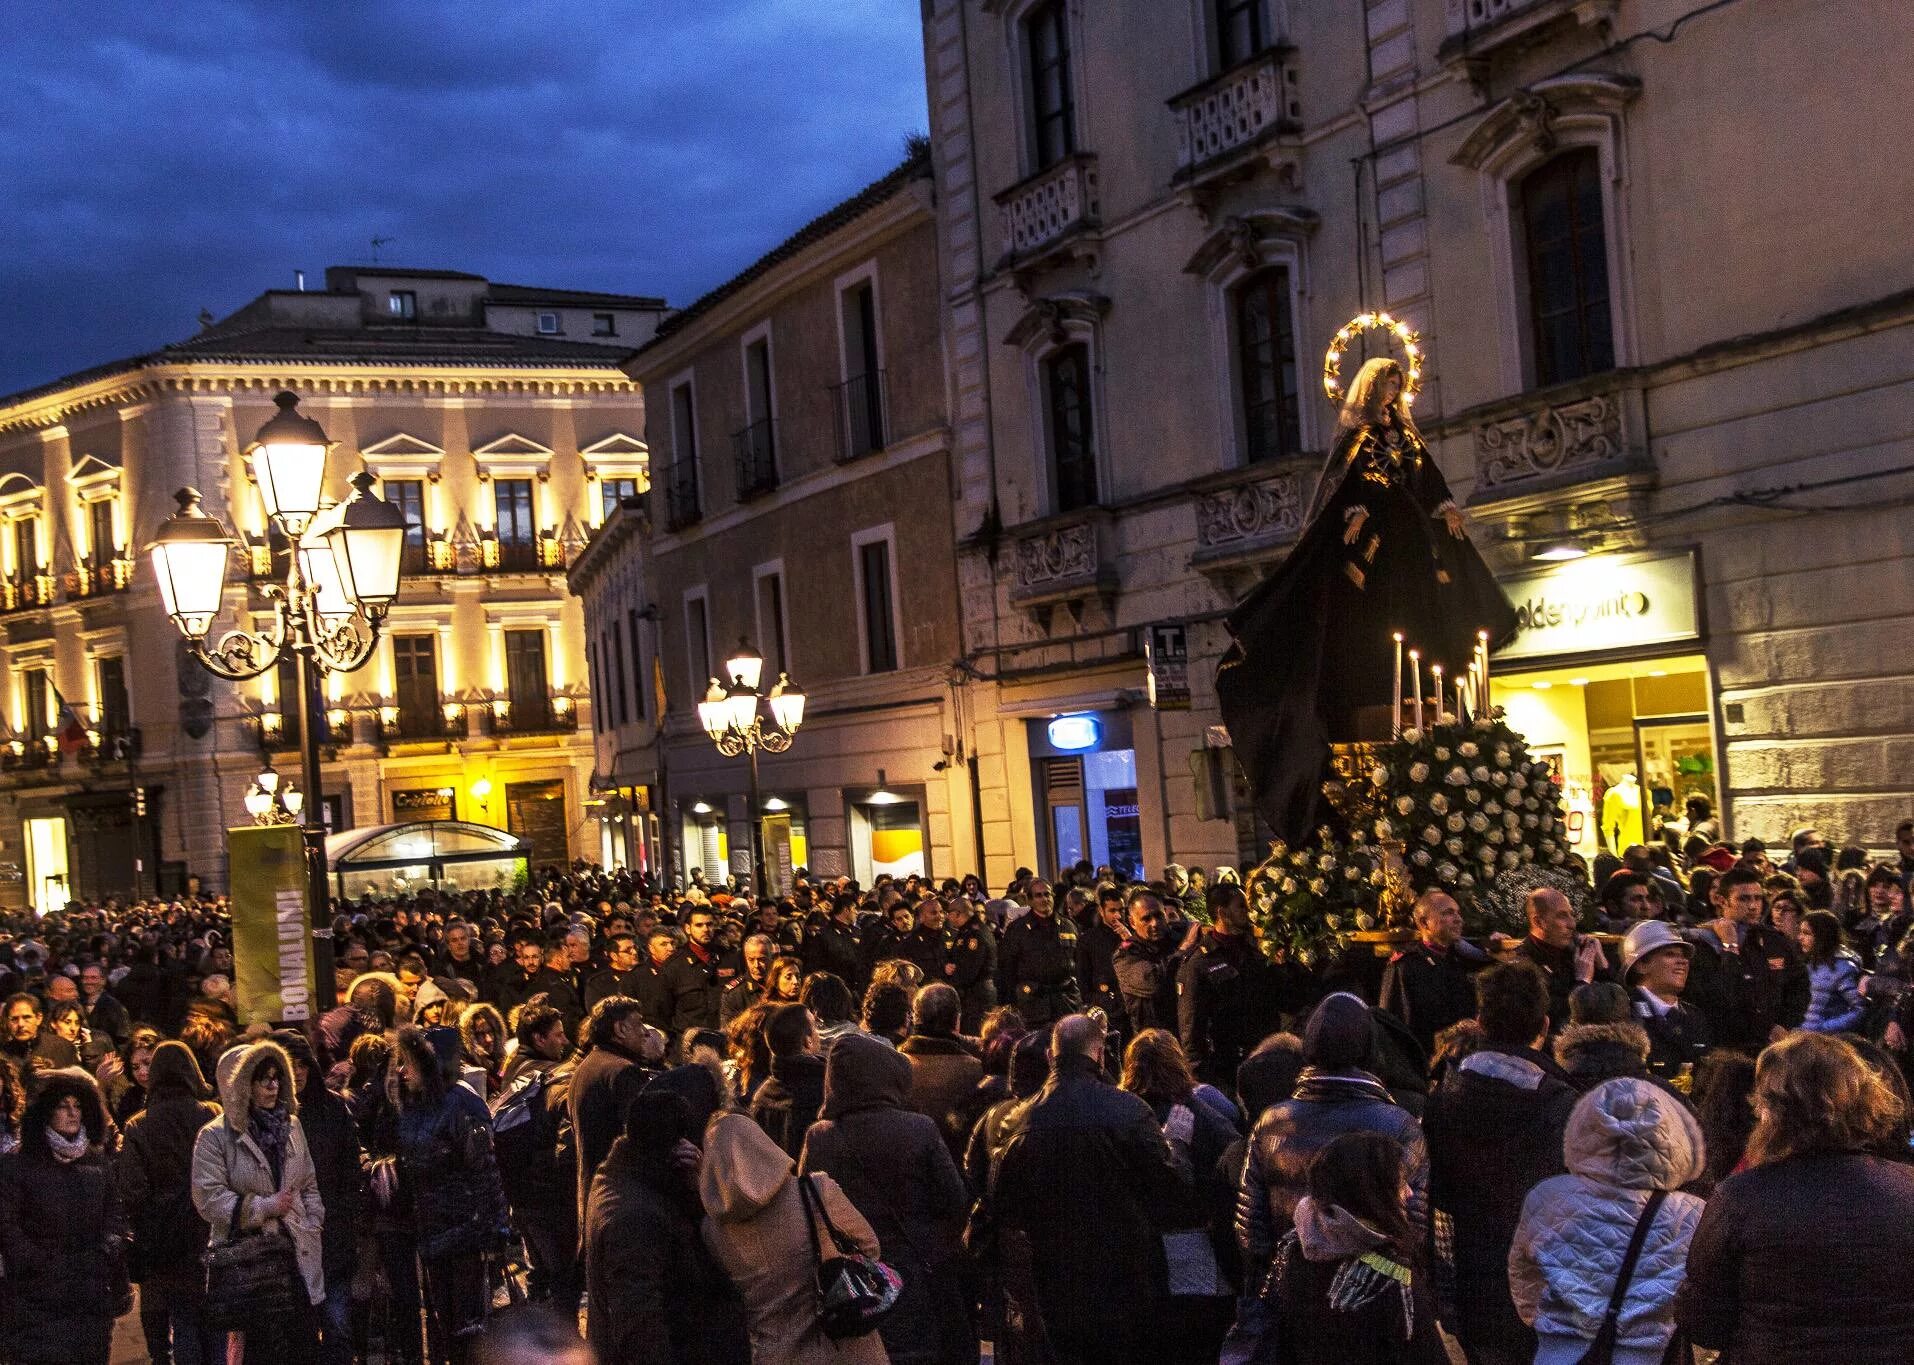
<point x="1037" y="967"/>
<point x="1145" y="973"/>
<point x="743" y="992"/>
<point x="1097" y="943"/>
<point x="1431" y="984"/>
<point x="970" y="962"/>
<point x="695" y="976"/>
<point x="834" y="947"/>
<point x="1228" y="996"/>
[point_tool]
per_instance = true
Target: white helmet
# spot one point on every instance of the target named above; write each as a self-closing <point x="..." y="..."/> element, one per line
<point x="1648" y="936"/>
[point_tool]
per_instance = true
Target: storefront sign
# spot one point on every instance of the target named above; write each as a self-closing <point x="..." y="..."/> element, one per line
<point x="1169" y="653"/>
<point x="272" y="934"/>
<point x="1602" y="604"/>
<point x="425" y="803"/>
<point x="1074" y="733"/>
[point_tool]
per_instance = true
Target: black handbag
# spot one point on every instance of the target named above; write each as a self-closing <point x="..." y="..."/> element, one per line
<point x="855" y="1292"/>
<point x="251" y="1277"/>
<point x="1602" y="1350"/>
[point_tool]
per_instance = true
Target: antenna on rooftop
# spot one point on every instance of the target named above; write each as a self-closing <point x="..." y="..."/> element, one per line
<point x="378" y="242"/>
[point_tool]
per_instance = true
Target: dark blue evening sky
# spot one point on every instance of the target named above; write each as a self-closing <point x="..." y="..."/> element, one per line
<point x="160" y="159"/>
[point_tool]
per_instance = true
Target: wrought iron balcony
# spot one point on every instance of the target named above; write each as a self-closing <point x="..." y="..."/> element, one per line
<point x="1239" y="112"/>
<point x="1038" y="213"/>
<point x="755" y="450"/>
<point x="556" y="714"/>
<point x="113" y="743"/>
<point x="862" y="415"/>
<point x="681" y="495"/>
<point x="25" y="591"/>
<point x="97" y="578"/>
<point x="444" y="720"/>
<point x="26" y="753"/>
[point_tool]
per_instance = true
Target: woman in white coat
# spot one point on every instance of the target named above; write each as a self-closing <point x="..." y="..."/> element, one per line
<point x="1625" y="1140"/>
<point x="252" y="1171"/>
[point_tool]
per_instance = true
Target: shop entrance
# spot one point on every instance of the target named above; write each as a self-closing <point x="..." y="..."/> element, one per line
<point x="49" y="886"/>
<point x="1087" y="803"/>
<point x="1630" y="743"/>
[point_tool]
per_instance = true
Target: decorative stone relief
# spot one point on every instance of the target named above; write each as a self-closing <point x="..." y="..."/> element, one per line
<point x="1057" y="557"/>
<point x="1549" y="440"/>
<point x="1269" y="509"/>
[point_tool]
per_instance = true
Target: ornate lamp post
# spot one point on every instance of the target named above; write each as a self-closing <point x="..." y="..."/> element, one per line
<point x="734" y="716"/>
<point x="342" y="578"/>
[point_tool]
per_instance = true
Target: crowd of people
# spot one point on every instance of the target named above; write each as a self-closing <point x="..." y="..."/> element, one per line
<point x="1083" y="1120"/>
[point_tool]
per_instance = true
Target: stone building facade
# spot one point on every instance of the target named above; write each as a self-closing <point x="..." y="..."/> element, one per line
<point x="801" y="496"/>
<point x="1676" y="409"/>
<point x="504" y="442"/>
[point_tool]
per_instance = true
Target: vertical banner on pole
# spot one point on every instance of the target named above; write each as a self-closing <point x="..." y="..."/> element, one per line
<point x="775" y="840"/>
<point x="272" y="934"/>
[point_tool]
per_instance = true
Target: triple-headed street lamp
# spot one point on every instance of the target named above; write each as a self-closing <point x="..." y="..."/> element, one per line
<point x="733" y="715"/>
<point x="341" y="578"/>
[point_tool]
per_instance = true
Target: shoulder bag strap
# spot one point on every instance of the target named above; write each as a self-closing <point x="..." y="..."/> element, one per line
<point x="813" y="1210"/>
<point x="1612" y="1318"/>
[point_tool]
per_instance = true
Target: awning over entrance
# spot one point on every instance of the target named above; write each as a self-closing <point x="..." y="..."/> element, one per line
<point x="454" y="854"/>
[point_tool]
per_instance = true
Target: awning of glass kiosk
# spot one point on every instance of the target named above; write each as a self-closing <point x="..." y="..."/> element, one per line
<point x="421" y="841"/>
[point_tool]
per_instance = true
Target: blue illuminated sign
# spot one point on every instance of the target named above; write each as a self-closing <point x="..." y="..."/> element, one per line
<point x="1072" y="733"/>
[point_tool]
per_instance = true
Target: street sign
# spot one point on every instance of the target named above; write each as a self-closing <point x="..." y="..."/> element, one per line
<point x="1169" y="655"/>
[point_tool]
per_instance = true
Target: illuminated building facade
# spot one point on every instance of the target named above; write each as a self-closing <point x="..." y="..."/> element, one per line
<point x="497" y="416"/>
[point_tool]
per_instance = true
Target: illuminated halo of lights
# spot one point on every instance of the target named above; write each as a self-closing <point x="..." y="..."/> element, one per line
<point x="1405" y="336"/>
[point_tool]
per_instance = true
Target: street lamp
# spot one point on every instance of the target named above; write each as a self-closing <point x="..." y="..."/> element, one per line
<point x="342" y="577"/>
<point x="733" y="715"/>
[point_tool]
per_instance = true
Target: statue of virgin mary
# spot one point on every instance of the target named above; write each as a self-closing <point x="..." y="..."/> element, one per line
<point x="1385" y="550"/>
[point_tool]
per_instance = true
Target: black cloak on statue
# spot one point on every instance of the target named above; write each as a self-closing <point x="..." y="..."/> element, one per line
<point x="1314" y="642"/>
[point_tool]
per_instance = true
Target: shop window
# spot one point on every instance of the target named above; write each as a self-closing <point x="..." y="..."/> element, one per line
<point x="887" y="836"/>
<point x="1567" y="258"/>
<point x="536" y="811"/>
<point x="1266" y="351"/>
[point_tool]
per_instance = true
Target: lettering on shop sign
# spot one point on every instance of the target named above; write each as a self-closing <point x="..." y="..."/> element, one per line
<point x="1127" y="812"/>
<point x="1603" y="602"/>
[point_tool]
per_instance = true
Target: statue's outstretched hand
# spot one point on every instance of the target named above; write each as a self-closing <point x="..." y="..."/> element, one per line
<point x="1452" y="518"/>
<point x="1353" y="520"/>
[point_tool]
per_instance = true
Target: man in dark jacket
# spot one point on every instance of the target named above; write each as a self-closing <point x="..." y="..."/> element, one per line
<point x="105" y="1016"/>
<point x="1495" y="1131"/>
<point x="1037" y="962"/>
<point x="834" y="947"/>
<point x="945" y="1067"/>
<point x="746" y="988"/>
<point x="1088" y="1180"/>
<point x="1431" y="984"/>
<point x="1098" y="939"/>
<point x="620" y="974"/>
<point x="517" y="982"/>
<point x="1143" y="967"/>
<point x="30" y="1048"/>
<point x="656" y="1295"/>
<point x="970" y="962"/>
<point x="540" y="1186"/>
<point x="606" y="1079"/>
<point x="786" y="1105"/>
<point x="1336" y="1093"/>
<point x="1746" y="979"/>
<point x="339" y="1163"/>
<point x="1564" y="957"/>
<point x="1228" y="996"/>
<point x="694" y="978"/>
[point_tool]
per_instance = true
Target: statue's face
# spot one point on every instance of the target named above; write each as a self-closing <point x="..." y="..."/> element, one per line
<point x="1391" y="387"/>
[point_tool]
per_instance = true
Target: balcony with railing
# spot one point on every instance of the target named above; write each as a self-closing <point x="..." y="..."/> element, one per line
<point x="1233" y="119"/>
<point x="548" y="715"/>
<point x="861" y="412"/>
<point x="1474" y="29"/>
<point x="23" y="592"/>
<point x="1064" y="558"/>
<point x="29" y="753"/>
<point x="682" y="507"/>
<point x="1040" y="214"/>
<point x="411" y="724"/>
<point x="756" y="454"/>
<point x="99" y="577"/>
<point x="113" y="742"/>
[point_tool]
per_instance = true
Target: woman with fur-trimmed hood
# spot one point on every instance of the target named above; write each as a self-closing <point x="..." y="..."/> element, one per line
<point x="62" y="1229"/>
<point x="252" y="1170"/>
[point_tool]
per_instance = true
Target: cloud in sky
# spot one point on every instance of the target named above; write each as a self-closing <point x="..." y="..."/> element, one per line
<point x="161" y="159"/>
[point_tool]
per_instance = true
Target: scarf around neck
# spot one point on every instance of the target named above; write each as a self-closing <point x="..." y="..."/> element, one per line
<point x="67" y="1149"/>
<point x="1369" y="1271"/>
<point x="268" y="1128"/>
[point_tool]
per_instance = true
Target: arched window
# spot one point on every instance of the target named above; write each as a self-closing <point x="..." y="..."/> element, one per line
<point x="1567" y="254"/>
<point x="1266" y="351"/>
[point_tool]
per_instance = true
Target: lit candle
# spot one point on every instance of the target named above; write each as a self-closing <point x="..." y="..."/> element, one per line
<point x="1395" y="694"/>
<point x="1435" y="671"/>
<point x="1482" y="653"/>
<point x="1461" y="698"/>
<point x="1415" y="672"/>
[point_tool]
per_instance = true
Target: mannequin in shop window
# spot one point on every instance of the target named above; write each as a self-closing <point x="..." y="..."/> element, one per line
<point x="1622" y="814"/>
<point x="1386" y="550"/>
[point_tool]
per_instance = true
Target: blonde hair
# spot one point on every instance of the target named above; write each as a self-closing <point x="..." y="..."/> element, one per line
<point x="1817" y="1093"/>
<point x="1363" y="407"/>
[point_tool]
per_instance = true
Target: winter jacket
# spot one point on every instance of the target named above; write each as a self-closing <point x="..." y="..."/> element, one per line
<point x="1590" y="1054"/>
<point x="1495" y="1131"/>
<point x="1805" y="1260"/>
<point x="604" y="1082"/>
<point x="894" y="1166"/>
<point x="1625" y="1139"/>
<point x="1288" y="1136"/>
<point x="231" y="1173"/>
<point x="1145" y="973"/>
<point x="1088" y="1178"/>
<point x="944" y="1072"/>
<point x="1037" y="968"/>
<point x="693" y="984"/>
<point x="655" y="1296"/>
<point x="1746" y="994"/>
<point x="1834" y="995"/>
<point x="155" y="1172"/>
<point x="62" y="1236"/>
<point x="1228" y="999"/>
<point x="786" y="1105"/>
<point x="1430" y="990"/>
<point x="448" y="1174"/>
<point x="756" y="1227"/>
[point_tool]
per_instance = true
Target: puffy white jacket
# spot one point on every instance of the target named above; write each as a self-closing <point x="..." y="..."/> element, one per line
<point x="1625" y="1139"/>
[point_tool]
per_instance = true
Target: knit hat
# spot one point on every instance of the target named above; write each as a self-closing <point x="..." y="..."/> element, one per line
<point x="1338" y="1033"/>
<point x="1598" y="1002"/>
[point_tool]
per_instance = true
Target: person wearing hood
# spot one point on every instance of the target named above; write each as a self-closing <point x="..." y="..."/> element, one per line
<point x="1336" y="1093"/>
<point x="447" y="1174"/>
<point x="1345" y="1285"/>
<point x="757" y="1227"/>
<point x="786" y="1105"/>
<point x="338" y="1162"/>
<point x="1601" y="1040"/>
<point x="1627" y="1140"/>
<point x="896" y="1168"/>
<point x="253" y="1172"/>
<point x="655" y="1295"/>
<point x="155" y="1173"/>
<point x="62" y="1229"/>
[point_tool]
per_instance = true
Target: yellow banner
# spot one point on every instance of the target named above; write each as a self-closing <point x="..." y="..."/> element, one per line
<point x="272" y="935"/>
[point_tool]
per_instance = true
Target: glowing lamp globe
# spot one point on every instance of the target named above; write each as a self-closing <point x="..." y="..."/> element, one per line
<point x="288" y="459"/>
<point x="190" y="555"/>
